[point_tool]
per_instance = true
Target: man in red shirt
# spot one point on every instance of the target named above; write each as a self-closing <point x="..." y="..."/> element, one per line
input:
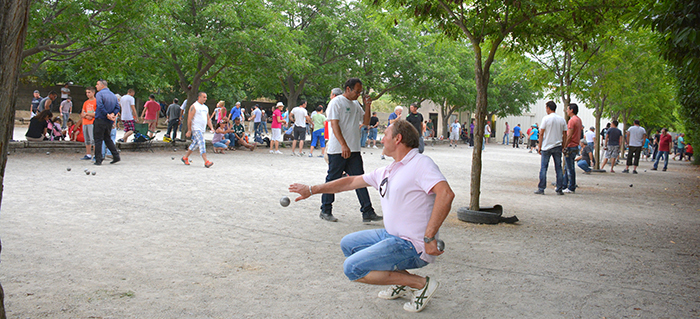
<point x="665" y="144"/>
<point x="150" y="113"/>
<point x="573" y="135"/>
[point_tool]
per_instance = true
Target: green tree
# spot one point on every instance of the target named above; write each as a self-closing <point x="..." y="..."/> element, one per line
<point x="486" y="25"/>
<point x="676" y="22"/>
<point x="198" y="41"/>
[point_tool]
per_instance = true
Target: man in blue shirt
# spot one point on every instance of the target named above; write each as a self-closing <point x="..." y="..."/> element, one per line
<point x="236" y="111"/>
<point x="105" y="113"/>
<point x="516" y="136"/>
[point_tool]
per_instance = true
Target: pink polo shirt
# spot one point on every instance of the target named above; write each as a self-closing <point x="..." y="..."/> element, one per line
<point x="408" y="200"/>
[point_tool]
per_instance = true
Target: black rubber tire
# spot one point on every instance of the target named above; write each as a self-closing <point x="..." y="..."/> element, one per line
<point x="478" y="217"/>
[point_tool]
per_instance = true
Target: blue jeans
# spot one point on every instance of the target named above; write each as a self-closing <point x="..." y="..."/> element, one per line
<point x="570" y="174"/>
<point x="375" y="249"/>
<point x="363" y="139"/>
<point x="556" y="154"/>
<point x="658" y="157"/>
<point x="372" y="134"/>
<point x="584" y="165"/>
<point x="352" y="166"/>
<point x="506" y="139"/>
<point x="257" y="128"/>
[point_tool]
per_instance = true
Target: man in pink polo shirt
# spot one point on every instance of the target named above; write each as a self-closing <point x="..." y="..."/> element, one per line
<point x="416" y="199"/>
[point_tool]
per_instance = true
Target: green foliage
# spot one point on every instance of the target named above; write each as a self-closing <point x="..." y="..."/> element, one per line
<point x="677" y="23"/>
<point x="634" y="81"/>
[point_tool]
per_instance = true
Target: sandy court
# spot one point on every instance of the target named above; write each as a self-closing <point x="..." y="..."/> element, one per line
<point x="152" y="238"/>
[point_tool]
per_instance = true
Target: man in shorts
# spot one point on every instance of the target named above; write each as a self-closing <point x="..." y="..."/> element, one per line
<point x="199" y="119"/>
<point x="613" y="140"/>
<point x="300" y="116"/>
<point x="88" y="116"/>
<point x="416" y="199"/>
<point x="454" y="133"/>
<point x="276" y="126"/>
<point x="317" y="137"/>
<point x="150" y="114"/>
<point x="128" y="107"/>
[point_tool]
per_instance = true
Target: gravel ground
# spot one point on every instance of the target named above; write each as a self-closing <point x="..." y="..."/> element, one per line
<point x="152" y="238"/>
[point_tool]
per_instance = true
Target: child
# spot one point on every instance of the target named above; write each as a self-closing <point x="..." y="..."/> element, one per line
<point x="56" y="132"/>
<point x="219" y="142"/>
<point x="76" y="132"/>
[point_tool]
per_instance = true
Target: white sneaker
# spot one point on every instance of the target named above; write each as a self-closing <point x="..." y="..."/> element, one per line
<point x="374" y="147"/>
<point x="568" y="191"/>
<point x="293" y="154"/>
<point x="278" y="152"/>
<point x="422" y="296"/>
<point x="394" y="292"/>
<point x="272" y="152"/>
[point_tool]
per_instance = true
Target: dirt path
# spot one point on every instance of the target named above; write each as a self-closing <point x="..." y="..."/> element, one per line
<point x="152" y="238"/>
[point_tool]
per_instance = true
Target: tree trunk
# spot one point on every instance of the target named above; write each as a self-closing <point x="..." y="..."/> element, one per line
<point x="481" y="111"/>
<point x="445" y="112"/>
<point x="14" y="17"/>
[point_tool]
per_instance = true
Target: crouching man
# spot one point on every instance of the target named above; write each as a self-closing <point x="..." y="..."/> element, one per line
<point x="416" y="199"/>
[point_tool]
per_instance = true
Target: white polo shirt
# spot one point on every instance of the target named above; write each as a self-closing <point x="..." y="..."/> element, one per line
<point x="408" y="201"/>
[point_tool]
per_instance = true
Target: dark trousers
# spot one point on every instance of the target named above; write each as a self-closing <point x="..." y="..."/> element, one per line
<point x="516" y="141"/>
<point x="172" y="125"/>
<point x="471" y="139"/>
<point x="102" y="130"/>
<point x="633" y="155"/>
<point x="352" y="166"/>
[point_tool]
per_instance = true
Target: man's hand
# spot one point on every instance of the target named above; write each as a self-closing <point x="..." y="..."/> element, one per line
<point x="539" y="150"/>
<point x="111" y="116"/>
<point x="345" y="151"/>
<point x="301" y="189"/>
<point x="366" y="100"/>
<point x="431" y="248"/>
<point x="189" y="133"/>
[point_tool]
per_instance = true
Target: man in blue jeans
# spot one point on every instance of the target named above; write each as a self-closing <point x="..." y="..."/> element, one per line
<point x="343" y="149"/>
<point x="574" y="131"/>
<point x="552" y="136"/>
<point x="416" y="199"/>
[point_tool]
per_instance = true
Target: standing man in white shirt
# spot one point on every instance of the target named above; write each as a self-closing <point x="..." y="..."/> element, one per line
<point x="552" y="136"/>
<point x="128" y="105"/>
<point x="635" y="139"/>
<point x="343" y="149"/>
<point x="300" y="116"/>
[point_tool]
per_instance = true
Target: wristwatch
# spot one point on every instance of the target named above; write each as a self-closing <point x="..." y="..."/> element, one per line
<point x="428" y="239"/>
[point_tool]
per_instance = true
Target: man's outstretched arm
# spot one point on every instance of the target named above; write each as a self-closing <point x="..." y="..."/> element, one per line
<point x="337" y="186"/>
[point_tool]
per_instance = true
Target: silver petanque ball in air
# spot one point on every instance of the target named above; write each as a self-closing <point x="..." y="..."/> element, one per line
<point x="284" y="201"/>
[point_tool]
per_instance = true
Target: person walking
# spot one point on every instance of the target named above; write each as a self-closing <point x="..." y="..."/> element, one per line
<point x="317" y="139"/>
<point x="534" y="137"/>
<point x="173" y="115"/>
<point x="198" y="118"/>
<point x="552" y="137"/>
<point x="416" y="119"/>
<point x="276" y="126"/>
<point x="665" y="144"/>
<point x="150" y="114"/>
<point x="343" y="150"/>
<point x="455" y="127"/>
<point x="127" y="105"/>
